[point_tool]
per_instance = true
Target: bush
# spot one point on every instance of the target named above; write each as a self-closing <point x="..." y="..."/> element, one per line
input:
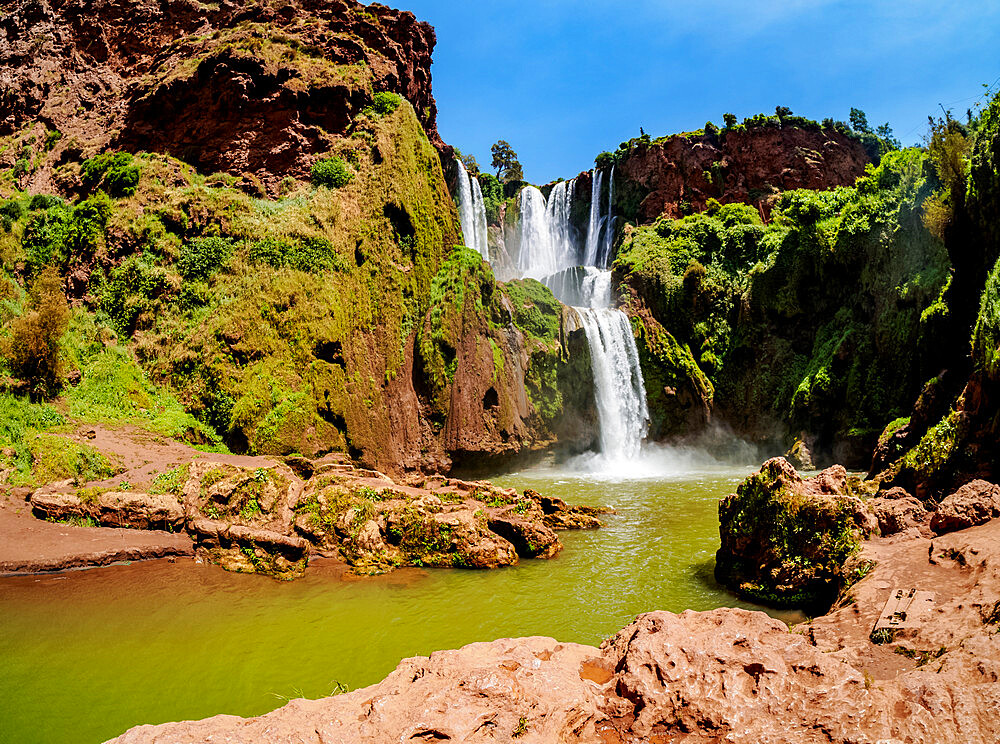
<point x="311" y="254"/>
<point x="35" y="336"/>
<point x="129" y="292"/>
<point x="202" y="257"/>
<point x="12" y="209"/>
<point x="57" y="233"/>
<point x="331" y="172"/>
<point x="45" y="201"/>
<point x="115" y="171"/>
<point x="382" y="104"/>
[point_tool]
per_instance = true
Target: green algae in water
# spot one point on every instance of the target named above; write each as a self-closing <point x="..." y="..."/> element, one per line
<point x="88" y="654"/>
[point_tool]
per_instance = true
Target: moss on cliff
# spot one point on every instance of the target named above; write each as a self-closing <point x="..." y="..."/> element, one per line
<point x="826" y="319"/>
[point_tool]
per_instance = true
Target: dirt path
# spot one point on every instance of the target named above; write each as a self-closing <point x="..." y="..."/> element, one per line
<point x="29" y="545"/>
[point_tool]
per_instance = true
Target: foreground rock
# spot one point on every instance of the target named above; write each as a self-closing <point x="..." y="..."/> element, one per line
<point x="973" y="504"/>
<point x="728" y="675"/>
<point x="785" y="540"/>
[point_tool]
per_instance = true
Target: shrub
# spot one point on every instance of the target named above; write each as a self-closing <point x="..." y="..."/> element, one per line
<point x="45" y="201"/>
<point x="710" y="128"/>
<point x="35" y="336"/>
<point x="115" y="171"/>
<point x="331" y="172"/>
<point x="12" y="209"/>
<point x="730" y="120"/>
<point x="55" y="234"/>
<point x="202" y="257"/>
<point x="129" y="291"/>
<point x="382" y="104"/>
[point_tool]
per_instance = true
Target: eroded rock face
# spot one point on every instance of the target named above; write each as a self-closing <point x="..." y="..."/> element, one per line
<point x="246" y="90"/>
<point x="785" y="540"/>
<point x="269" y="519"/>
<point x="973" y="504"/>
<point x="896" y="510"/>
<point x="140" y="511"/>
<point x="752" y="166"/>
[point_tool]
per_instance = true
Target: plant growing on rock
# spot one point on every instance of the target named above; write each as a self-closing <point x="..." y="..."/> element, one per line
<point x="331" y="172"/>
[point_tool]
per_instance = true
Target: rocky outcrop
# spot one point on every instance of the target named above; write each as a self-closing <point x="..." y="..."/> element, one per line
<point x="973" y="504"/>
<point x="896" y="510"/>
<point x="785" y="540"/>
<point x="255" y="91"/>
<point x="677" y="175"/>
<point x="727" y="675"/>
<point x="139" y="511"/>
<point x="269" y="519"/>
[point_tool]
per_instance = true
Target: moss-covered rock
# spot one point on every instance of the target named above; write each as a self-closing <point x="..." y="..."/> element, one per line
<point x="785" y="540"/>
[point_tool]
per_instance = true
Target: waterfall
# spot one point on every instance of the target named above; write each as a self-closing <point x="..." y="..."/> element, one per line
<point x="594" y="223"/>
<point x="609" y="224"/>
<point x="601" y="227"/>
<point x="619" y="390"/>
<point x="472" y="212"/>
<point x="547" y="244"/>
<point x="550" y="253"/>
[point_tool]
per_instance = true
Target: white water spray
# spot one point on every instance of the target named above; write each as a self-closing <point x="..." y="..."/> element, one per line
<point x="548" y="252"/>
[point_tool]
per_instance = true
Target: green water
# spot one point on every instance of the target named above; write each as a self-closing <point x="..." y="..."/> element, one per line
<point x="85" y="655"/>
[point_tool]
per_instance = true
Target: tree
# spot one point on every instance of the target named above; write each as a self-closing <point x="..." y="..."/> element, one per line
<point x="859" y="121"/>
<point x="33" y="349"/>
<point x="730" y="120"/>
<point x="884" y="133"/>
<point x="782" y="111"/>
<point x="506" y="163"/>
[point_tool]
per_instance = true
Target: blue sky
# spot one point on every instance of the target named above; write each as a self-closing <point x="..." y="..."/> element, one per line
<point x="563" y="80"/>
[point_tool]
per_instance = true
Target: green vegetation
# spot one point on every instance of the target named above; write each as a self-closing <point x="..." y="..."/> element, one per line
<point x="505" y="161"/>
<point x="382" y="104"/>
<point x="782" y="546"/>
<point x="115" y="172"/>
<point x="332" y="172"/>
<point x="822" y="319"/>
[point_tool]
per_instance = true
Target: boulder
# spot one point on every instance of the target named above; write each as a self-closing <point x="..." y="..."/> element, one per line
<point x="896" y="510"/>
<point x="785" y="539"/>
<point x="141" y="511"/>
<point x="975" y="503"/>
<point x="530" y="538"/>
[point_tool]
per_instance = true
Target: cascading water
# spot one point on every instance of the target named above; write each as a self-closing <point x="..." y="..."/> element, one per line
<point x="548" y="253"/>
<point x="472" y="212"/>
<point x="619" y="390"/>
<point x="594" y="223"/>
<point x="546" y="231"/>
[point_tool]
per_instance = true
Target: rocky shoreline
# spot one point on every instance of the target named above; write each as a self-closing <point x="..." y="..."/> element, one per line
<point x="726" y="675"/>
<point x="257" y="515"/>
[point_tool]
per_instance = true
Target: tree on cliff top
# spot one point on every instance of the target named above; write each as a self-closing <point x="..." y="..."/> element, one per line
<point x="506" y="163"/>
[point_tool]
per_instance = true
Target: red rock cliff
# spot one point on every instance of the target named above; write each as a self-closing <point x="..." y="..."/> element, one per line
<point x="255" y="88"/>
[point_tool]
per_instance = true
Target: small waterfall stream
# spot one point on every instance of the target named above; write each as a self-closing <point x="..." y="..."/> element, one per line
<point x="472" y="212"/>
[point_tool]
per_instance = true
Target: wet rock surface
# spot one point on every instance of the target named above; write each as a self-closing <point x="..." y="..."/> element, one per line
<point x="726" y="675"/>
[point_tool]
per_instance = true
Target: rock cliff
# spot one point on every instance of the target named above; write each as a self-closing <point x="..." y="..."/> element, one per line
<point x="257" y="89"/>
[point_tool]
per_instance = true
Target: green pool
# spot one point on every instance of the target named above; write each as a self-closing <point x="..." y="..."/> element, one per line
<point x="87" y="654"/>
